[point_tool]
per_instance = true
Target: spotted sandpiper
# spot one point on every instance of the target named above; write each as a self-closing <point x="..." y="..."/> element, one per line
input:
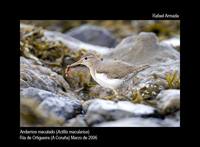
<point x="108" y="73"/>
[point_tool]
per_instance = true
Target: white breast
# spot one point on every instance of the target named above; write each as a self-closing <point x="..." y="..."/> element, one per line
<point x="104" y="81"/>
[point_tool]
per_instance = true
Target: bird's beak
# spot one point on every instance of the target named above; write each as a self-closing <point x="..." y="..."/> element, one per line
<point x="72" y="65"/>
<point x="76" y="63"/>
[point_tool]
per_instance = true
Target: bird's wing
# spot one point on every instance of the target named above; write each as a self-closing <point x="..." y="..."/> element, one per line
<point x="115" y="69"/>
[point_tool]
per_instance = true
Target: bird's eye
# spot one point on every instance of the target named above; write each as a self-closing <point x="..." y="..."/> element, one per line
<point x="85" y="58"/>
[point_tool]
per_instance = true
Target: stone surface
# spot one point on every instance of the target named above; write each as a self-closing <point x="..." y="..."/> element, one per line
<point x="142" y="49"/>
<point x="156" y="78"/>
<point x="33" y="75"/>
<point x="99" y="110"/>
<point x="139" y="122"/>
<point x="50" y="104"/>
<point x="93" y="35"/>
<point x="78" y="121"/>
<point x="168" y="101"/>
<point x="174" y="42"/>
<point x="75" y="44"/>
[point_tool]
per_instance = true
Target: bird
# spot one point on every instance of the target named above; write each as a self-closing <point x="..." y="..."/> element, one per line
<point x="108" y="73"/>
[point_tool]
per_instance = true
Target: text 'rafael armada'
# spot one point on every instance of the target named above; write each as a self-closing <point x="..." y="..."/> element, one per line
<point x="164" y="15"/>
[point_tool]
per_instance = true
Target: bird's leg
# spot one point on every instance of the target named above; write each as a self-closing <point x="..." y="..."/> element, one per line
<point x="116" y="93"/>
<point x="118" y="96"/>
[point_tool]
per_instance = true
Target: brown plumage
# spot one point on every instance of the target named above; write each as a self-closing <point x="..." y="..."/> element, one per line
<point x="118" y="69"/>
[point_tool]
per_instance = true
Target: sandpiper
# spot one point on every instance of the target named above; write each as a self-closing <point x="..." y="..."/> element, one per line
<point x="108" y="73"/>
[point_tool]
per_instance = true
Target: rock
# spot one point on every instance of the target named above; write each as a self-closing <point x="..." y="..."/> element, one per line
<point x="67" y="61"/>
<point x="50" y="104"/>
<point x="75" y="44"/>
<point x="174" y="42"/>
<point x="142" y="49"/>
<point x="158" y="77"/>
<point x="30" y="116"/>
<point x="173" y="119"/>
<point x="99" y="110"/>
<point x="33" y="75"/>
<point x="78" y="121"/>
<point x="131" y="122"/>
<point x="170" y="123"/>
<point x="139" y="122"/>
<point x="168" y="101"/>
<point x="93" y="35"/>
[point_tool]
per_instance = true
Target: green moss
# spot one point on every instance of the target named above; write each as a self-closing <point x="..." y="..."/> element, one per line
<point x="137" y="97"/>
<point x="173" y="80"/>
<point x="33" y="44"/>
<point x="146" y="94"/>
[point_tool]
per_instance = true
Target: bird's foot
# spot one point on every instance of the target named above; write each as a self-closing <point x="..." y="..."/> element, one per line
<point x="110" y="97"/>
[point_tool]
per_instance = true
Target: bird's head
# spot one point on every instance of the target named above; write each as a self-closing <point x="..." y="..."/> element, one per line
<point x="88" y="60"/>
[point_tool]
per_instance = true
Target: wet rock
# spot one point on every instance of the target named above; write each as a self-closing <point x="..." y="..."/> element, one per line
<point x="142" y="49"/>
<point x="99" y="110"/>
<point x="93" y="35"/>
<point x="50" y="104"/>
<point x="78" y="121"/>
<point x="139" y="122"/>
<point x="33" y="75"/>
<point x="168" y="101"/>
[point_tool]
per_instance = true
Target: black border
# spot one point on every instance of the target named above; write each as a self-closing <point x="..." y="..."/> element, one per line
<point x="111" y="134"/>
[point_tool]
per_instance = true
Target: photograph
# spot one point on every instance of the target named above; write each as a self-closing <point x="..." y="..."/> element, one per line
<point x="100" y="73"/>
